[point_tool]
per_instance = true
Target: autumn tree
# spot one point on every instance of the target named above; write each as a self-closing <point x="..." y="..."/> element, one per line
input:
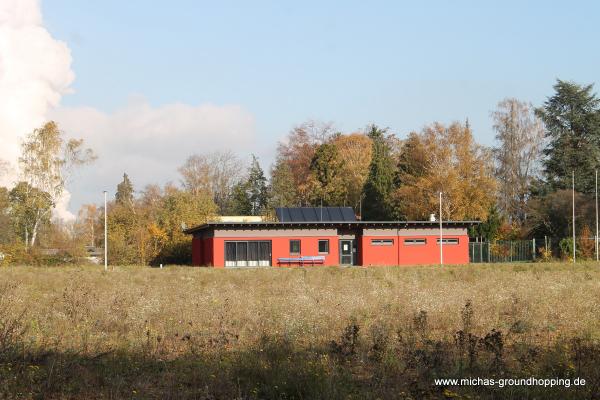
<point x="282" y="188"/>
<point x="30" y="209"/>
<point x="181" y="209"/>
<point x="297" y="153"/>
<point x="6" y="226"/>
<point x="326" y="183"/>
<point x="379" y="184"/>
<point x="124" y="194"/>
<point x="46" y="162"/>
<point x="447" y="160"/>
<point x="214" y="173"/>
<point x="354" y="152"/>
<point x="520" y="135"/>
<point x="122" y="234"/>
<point x="572" y="120"/>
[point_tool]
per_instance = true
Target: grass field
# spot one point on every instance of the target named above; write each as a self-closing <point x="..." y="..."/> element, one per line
<point x="319" y="332"/>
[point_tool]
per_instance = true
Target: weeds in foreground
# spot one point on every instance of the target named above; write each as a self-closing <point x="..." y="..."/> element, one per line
<point x="296" y="334"/>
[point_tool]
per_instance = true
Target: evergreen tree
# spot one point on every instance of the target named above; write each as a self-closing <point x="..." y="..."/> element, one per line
<point x="572" y="120"/>
<point x="124" y="195"/>
<point x="380" y="182"/>
<point x="257" y="188"/>
<point x="240" y="202"/>
<point x="250" y="197"/>
<point x="490" y="228"/>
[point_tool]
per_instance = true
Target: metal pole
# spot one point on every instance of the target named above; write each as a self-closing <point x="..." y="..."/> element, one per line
<point x="105" y="235"/>
<point x="321" y="210"/>
<point x="441" y="235"/>
<point x="597" y="215"/>
<point x="574" y="246"/>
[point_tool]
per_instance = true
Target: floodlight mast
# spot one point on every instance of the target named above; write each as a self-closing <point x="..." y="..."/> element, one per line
<point x="441" y="235"/>
<point x="597" y="258"/>
<point x="574" y="245"/>
<point x="105" y="235"/>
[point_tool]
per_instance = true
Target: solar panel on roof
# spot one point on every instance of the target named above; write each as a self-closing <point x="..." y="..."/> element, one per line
<point x="315" y="214"/>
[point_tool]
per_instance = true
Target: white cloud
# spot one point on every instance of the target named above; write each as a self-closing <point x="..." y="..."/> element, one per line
<point x="35" y="71"/>
<point x="150" y="143"/>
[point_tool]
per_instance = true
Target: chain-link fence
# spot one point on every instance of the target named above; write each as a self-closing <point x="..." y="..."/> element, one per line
<point x="502" y="251"/>
<point x="544" y="249"/>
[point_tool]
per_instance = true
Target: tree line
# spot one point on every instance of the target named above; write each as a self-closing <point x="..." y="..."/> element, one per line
<point x="518" y="188"/>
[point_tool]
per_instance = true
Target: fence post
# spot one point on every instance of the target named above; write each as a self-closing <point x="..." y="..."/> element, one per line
<point x="480" y="250"/>
<point x="488" y="248"/>
<point x="533" y="249"/>
<point x="510" y="244"/>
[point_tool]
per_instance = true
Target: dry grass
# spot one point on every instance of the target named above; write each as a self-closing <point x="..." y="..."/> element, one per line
<point x="185" y="332"/>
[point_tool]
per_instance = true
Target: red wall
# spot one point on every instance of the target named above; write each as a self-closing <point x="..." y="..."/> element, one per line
<point x="309" y="246"/>
<point x="197" y="251"/>
<point x="429" y="253"/>
<point x="280" y="248"/>
<point x="211" y="251"/>
<point x="379" y="255"/>
<point x="401" y="254"/>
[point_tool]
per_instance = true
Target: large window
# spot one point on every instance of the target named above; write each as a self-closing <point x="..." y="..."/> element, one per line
<point x="324" y="246"/>
<point x="448" y="241"/>
<point x="252" y="253"/>
<point x="382" y="242"/>
<point x="294" y="247"/>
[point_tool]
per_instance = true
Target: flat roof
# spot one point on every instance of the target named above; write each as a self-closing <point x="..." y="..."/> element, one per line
<point x="328" y="224"/>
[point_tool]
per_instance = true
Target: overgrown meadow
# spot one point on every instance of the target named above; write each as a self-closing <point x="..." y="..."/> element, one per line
<point x="336" y="333"/>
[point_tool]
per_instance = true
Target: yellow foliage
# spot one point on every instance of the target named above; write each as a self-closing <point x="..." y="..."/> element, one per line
<point x="451" y="162"/>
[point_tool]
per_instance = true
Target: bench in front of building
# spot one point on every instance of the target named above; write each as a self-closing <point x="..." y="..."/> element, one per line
<point x="304" y="260"/>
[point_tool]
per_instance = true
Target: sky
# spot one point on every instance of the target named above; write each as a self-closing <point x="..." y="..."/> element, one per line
<point x="147" y="84"/>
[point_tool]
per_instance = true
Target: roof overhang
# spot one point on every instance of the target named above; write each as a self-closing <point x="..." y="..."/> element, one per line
<point x="328" y="224"/>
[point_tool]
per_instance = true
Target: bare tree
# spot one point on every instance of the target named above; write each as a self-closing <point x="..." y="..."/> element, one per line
<point x="520" y="136"/>
<point x="214" y="173"/>
<point x="85" y="226"/>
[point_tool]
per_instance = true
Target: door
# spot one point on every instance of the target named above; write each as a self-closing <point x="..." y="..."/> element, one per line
<point x="346" y="252"/>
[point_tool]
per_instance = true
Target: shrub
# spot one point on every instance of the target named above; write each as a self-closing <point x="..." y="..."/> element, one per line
<point x="585" y="244"/>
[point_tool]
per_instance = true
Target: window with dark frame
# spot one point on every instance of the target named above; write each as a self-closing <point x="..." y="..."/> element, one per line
<point x="247" y="253"/>
<point x="415" y="242"/>
<point x="324" y="246"/>
<point x="382" y="242"/>
<point x="448" y="241"/>
<point x="295" y="247"/>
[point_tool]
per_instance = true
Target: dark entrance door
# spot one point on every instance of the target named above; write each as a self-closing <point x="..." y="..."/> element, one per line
<point x="346" y="252"/>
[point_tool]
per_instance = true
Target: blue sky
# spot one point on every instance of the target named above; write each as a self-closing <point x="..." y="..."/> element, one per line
<point x="397" y="64"/>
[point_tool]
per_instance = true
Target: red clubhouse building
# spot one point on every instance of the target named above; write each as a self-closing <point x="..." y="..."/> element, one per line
<point x="328" y="236"/>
